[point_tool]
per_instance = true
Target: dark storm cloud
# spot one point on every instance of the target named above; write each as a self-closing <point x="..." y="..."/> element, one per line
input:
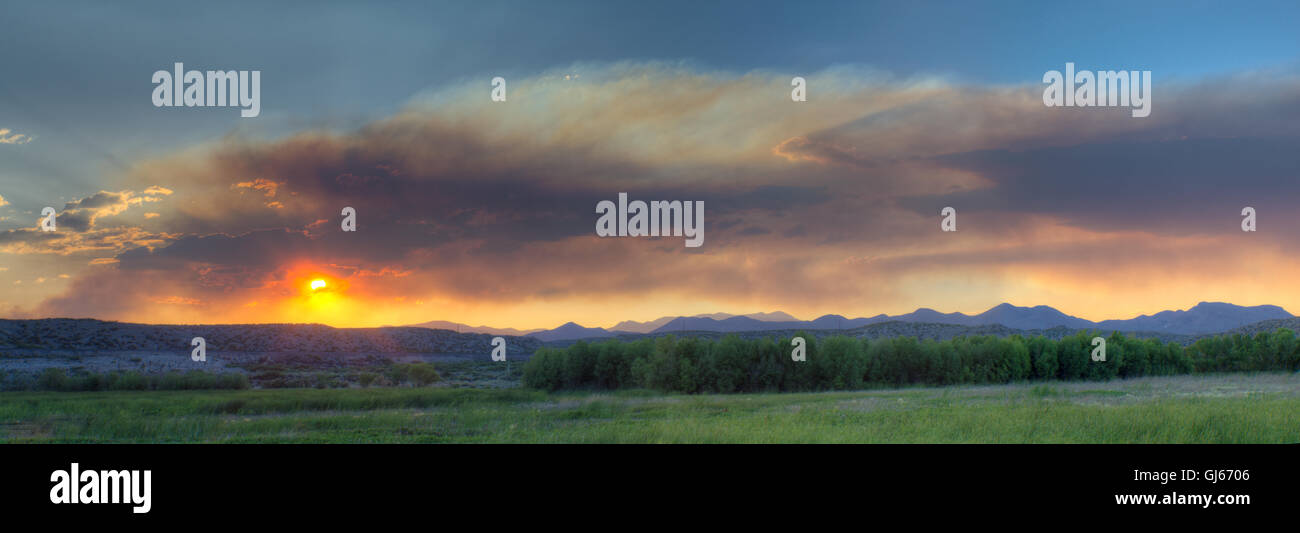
<point x="1177" y="186"/>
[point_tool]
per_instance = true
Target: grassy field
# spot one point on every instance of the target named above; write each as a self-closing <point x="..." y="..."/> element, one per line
<point x="1237" y="408"/>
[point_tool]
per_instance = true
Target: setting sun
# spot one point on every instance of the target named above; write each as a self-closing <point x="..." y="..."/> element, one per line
<point x="317" y="284"/>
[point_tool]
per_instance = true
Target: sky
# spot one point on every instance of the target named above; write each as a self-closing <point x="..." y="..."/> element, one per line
<point x="483" y="212"/>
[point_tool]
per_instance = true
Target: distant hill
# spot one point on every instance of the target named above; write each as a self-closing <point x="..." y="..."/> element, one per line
<point x="631" y="326"/>
<point x="893" y="328"/>
<point x="703" y="323"/>
<point x="464" y="328"/>
<point x="569" y="331"/>
<point x="572" y="331"/>
<point x="1205" y="317"/>
<point x="774" y="316"/>
<point x="1183" y="326"/>
<point x="1292" y="324"/>
<point x="1037" y="317"/>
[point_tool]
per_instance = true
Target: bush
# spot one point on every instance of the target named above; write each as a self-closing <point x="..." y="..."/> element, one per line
<point x="1108" y="369"/>
<point x="1042" y="356"/>
<point x="579" y="366"/>
<point x="53" y="379"/>
<point x="233" y="381"/>
<point x="544" y="370"/>
<point x="398" y="374"/>
<point x="725" y="365"/>
<point x="424" y="374"/>
<point x="1073" y="355"/>
<point x="130" y="381"/>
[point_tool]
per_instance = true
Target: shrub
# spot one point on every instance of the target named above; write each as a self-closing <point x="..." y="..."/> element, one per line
<point x="544" y="370"/>
<point x="579" y="366"/>
<point x="131" y="381"/>
<point x="725" y="368"/>
<point x="1073" y="355"/>
<point x="1042" y="356"/>
<point x="424" y="374"/>
<point x="233" y="381"/>
<point x="53" y="379"/>
<point x="397" y="373"/>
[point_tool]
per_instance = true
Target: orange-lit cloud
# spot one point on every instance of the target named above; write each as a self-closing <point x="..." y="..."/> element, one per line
<point x="8" y="136"/>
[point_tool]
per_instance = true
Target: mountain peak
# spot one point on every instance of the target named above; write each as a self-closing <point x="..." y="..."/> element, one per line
<point x="570" y="331"/>
<point x="832" y="316"/>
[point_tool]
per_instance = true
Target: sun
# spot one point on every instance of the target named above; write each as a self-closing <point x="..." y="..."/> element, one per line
<point x="317" y="284"/>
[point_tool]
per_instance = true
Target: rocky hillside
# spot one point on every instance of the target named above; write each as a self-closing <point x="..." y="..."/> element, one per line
<point x="88" y="334"/>
<point x="1292" y="324"/>
<point x="97" y="335"/>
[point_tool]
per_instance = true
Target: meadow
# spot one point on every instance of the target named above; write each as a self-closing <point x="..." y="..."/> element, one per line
<point x="1205" y="408"/>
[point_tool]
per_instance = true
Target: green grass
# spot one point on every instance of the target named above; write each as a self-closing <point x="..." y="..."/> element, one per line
<point x="1261" y="408"/>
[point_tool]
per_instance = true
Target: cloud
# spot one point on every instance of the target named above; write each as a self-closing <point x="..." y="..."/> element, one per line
<point x="1171" y="187"/>
<point x="827" y="205"/>
<point x="7" y="136"/>
<point x="79" y="228"/>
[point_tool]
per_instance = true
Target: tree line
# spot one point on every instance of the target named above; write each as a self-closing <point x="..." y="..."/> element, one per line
<point x="732" y="364"/>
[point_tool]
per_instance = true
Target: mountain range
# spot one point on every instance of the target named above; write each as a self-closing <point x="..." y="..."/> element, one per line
<point x="1203" y="318"/>
<point x="566" y="331"/>
<point x="463" y="328"/>
<point x="629" y="326"/>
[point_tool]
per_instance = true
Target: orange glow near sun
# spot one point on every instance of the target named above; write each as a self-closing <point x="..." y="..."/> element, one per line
<point x="321" y="298"/>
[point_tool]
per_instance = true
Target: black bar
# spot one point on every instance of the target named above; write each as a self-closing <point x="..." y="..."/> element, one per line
<point x="496" y="484"/>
